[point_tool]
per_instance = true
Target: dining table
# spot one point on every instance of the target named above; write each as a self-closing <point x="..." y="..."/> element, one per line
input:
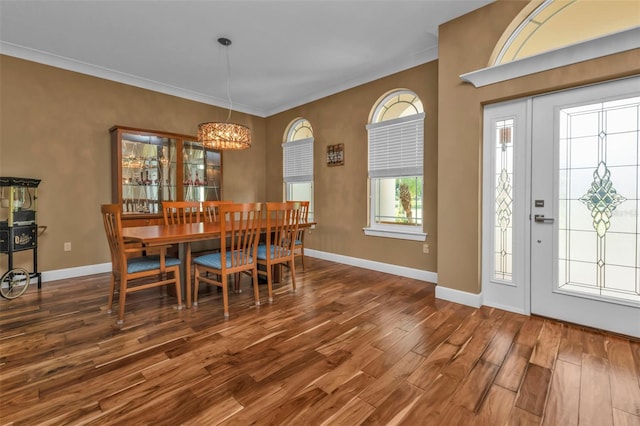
<point x="183" y="235"/>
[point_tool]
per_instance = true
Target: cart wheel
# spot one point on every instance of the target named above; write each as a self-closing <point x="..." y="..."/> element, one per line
<point x="14" y="283"/>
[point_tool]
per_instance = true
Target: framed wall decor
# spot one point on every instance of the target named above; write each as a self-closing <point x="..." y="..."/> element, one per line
<point x="335" y="155"/>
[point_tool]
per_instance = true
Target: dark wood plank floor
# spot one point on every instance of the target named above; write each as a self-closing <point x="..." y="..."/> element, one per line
<point x="350" y="347"/>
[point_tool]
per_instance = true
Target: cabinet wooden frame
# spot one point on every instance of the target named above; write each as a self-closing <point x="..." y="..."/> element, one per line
<point x="180" y="142"/>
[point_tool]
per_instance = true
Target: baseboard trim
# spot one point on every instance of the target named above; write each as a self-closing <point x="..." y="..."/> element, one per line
<point x="402" y="271"/>
<point x="79" y="271"/>
<point x="457" y="296"/>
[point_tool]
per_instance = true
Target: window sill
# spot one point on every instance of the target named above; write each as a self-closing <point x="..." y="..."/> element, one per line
<point x="388" y="233"/>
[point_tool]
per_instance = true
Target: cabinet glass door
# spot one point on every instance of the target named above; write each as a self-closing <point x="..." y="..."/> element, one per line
<point x="201" y="180"/>
<point x="148" y="172"/>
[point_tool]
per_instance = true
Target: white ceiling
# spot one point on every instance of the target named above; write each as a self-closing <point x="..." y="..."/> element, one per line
<point x="283" y="53"/>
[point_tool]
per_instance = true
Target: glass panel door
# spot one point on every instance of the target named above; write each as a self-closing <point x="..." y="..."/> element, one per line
<point x="585" y="247"/>
<point x="148" y="172"/>
<point x="202" y="173"/>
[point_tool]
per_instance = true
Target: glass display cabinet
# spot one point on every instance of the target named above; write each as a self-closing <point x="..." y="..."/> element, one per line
<point x="149" y="167"/>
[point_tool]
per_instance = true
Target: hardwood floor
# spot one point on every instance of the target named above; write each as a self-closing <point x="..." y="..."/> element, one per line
<point x="350" y="347"/>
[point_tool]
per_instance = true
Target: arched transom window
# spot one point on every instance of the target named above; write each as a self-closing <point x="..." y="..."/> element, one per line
<point x="551" y="24"/>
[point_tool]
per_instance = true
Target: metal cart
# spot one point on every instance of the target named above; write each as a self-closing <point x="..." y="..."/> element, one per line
<point x="19" y="232"/>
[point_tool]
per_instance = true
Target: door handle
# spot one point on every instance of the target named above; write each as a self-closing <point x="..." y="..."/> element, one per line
<point x="541" y="219"/>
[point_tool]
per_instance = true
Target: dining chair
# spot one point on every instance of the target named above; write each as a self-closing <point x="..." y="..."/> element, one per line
<point x="176" y="212"/>
<point x="282" y="221"/>
<point x="298" y="248"/>
<point x="131" y="267"/>
<point x="210" y="210"/>
<point x="240" y="228"/>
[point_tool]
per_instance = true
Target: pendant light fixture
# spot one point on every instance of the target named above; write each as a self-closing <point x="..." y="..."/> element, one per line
<point x="225" y="135"/>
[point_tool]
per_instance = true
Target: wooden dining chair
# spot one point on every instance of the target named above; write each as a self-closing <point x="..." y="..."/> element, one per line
<point x="210" y="210"/>
<point x="131" y="267"/>
<point x="282" y="225"/>
<point x="298" y="247"/>
<point x="176" y="212"/>
<point x="240" y="228"/>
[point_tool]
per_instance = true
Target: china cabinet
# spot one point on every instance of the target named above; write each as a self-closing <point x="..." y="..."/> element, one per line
<point x="149" y="167"/>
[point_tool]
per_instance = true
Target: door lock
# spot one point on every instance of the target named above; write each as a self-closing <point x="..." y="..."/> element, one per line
<point x="541" y="219"/>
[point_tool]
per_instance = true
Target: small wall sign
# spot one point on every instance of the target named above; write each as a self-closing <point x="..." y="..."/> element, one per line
<point x="335" y="155"/>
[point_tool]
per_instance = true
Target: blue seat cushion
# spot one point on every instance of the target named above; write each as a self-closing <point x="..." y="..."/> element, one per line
<point x="298" y="242"/>
<point x="148" y="263"/>
<point x="262" y="252"/>
<point x="214" y="260"/>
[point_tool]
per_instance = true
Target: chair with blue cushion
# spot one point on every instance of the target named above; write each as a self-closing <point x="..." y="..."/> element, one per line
<point x="281" y="230"/>
<point x="211" y="210"/>
<point x="240" y="227"/>
<point x="175" y="212"/>
<point x="131" y="267"/>
<point x="298" y="247"/>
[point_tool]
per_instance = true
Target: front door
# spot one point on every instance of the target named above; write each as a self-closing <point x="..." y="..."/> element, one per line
<point x="585" y="185"/>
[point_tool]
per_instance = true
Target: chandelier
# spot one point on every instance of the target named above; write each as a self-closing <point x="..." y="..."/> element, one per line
<point x="224" y="135"/>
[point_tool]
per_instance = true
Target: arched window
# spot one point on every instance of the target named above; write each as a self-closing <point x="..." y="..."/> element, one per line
<point x="396" y="147"/>
<point x="550" y="34"/>
<point x="298" y="162"/>
<point x="543" y="26"/>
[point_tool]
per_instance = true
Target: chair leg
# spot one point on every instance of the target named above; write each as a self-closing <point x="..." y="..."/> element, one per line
<point x="302" y="256"/>
<point x="269" y="280"/>
<point x="123" y="296"/>
<point x="112" y="291"/>
<point x="256" y="291"/>
<point x="176" y="277"/>
<point x="292" y="267"/>
<point x="236" y="282"/>
<point x="196" y="285"/>
<point x="225" y="295"/>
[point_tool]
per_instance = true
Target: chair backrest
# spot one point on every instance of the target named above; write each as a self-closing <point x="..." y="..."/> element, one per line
<point x="282" y="226"/>
<point x="304" y="210"/>
<point x="240" y="226"/>
<point x="176" y="212"/>
<point x="304" y="216"/>
<point x="111" y="216"/>
<point x="210" y="210"/>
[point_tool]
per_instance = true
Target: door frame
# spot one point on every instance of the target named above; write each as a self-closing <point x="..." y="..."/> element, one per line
<point x="511" y="296"/>
<point x="516" y="297"/>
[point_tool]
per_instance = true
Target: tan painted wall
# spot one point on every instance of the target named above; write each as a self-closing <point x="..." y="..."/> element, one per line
<point x="465" y="45"/>
<point x="54" y="125"/>
<point x="341" y="192"/>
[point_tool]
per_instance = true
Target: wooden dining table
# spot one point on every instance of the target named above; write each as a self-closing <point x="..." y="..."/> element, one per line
<point x="183" y="235"/>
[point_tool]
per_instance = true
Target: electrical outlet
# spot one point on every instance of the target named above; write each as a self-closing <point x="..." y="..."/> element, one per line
<point x="425" y="248"/>
<point x="67" y="246"/>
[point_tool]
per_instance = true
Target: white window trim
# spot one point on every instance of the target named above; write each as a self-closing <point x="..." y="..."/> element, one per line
<point x="579" y="52"/>
<point x="395" y="233"/>
<point x="403" y="232"/>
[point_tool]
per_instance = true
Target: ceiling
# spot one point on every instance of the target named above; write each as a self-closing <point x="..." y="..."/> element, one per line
<point x="283" y="53"/>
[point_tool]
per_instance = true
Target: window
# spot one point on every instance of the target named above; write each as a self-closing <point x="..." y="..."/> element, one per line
<point x="298" y="163"/>
<point x="396" y="147"/>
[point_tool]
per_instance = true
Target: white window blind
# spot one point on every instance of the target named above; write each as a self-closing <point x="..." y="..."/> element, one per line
<point x="396" y="147"/>
<point x="298" y="160"/>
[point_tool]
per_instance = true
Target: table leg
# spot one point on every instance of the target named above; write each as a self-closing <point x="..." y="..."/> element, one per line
<point x="187" y="272"/>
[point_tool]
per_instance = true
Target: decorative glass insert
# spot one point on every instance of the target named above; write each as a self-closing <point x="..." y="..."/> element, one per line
<point x="599" y="182"/>
<point x="503" y="239"/>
